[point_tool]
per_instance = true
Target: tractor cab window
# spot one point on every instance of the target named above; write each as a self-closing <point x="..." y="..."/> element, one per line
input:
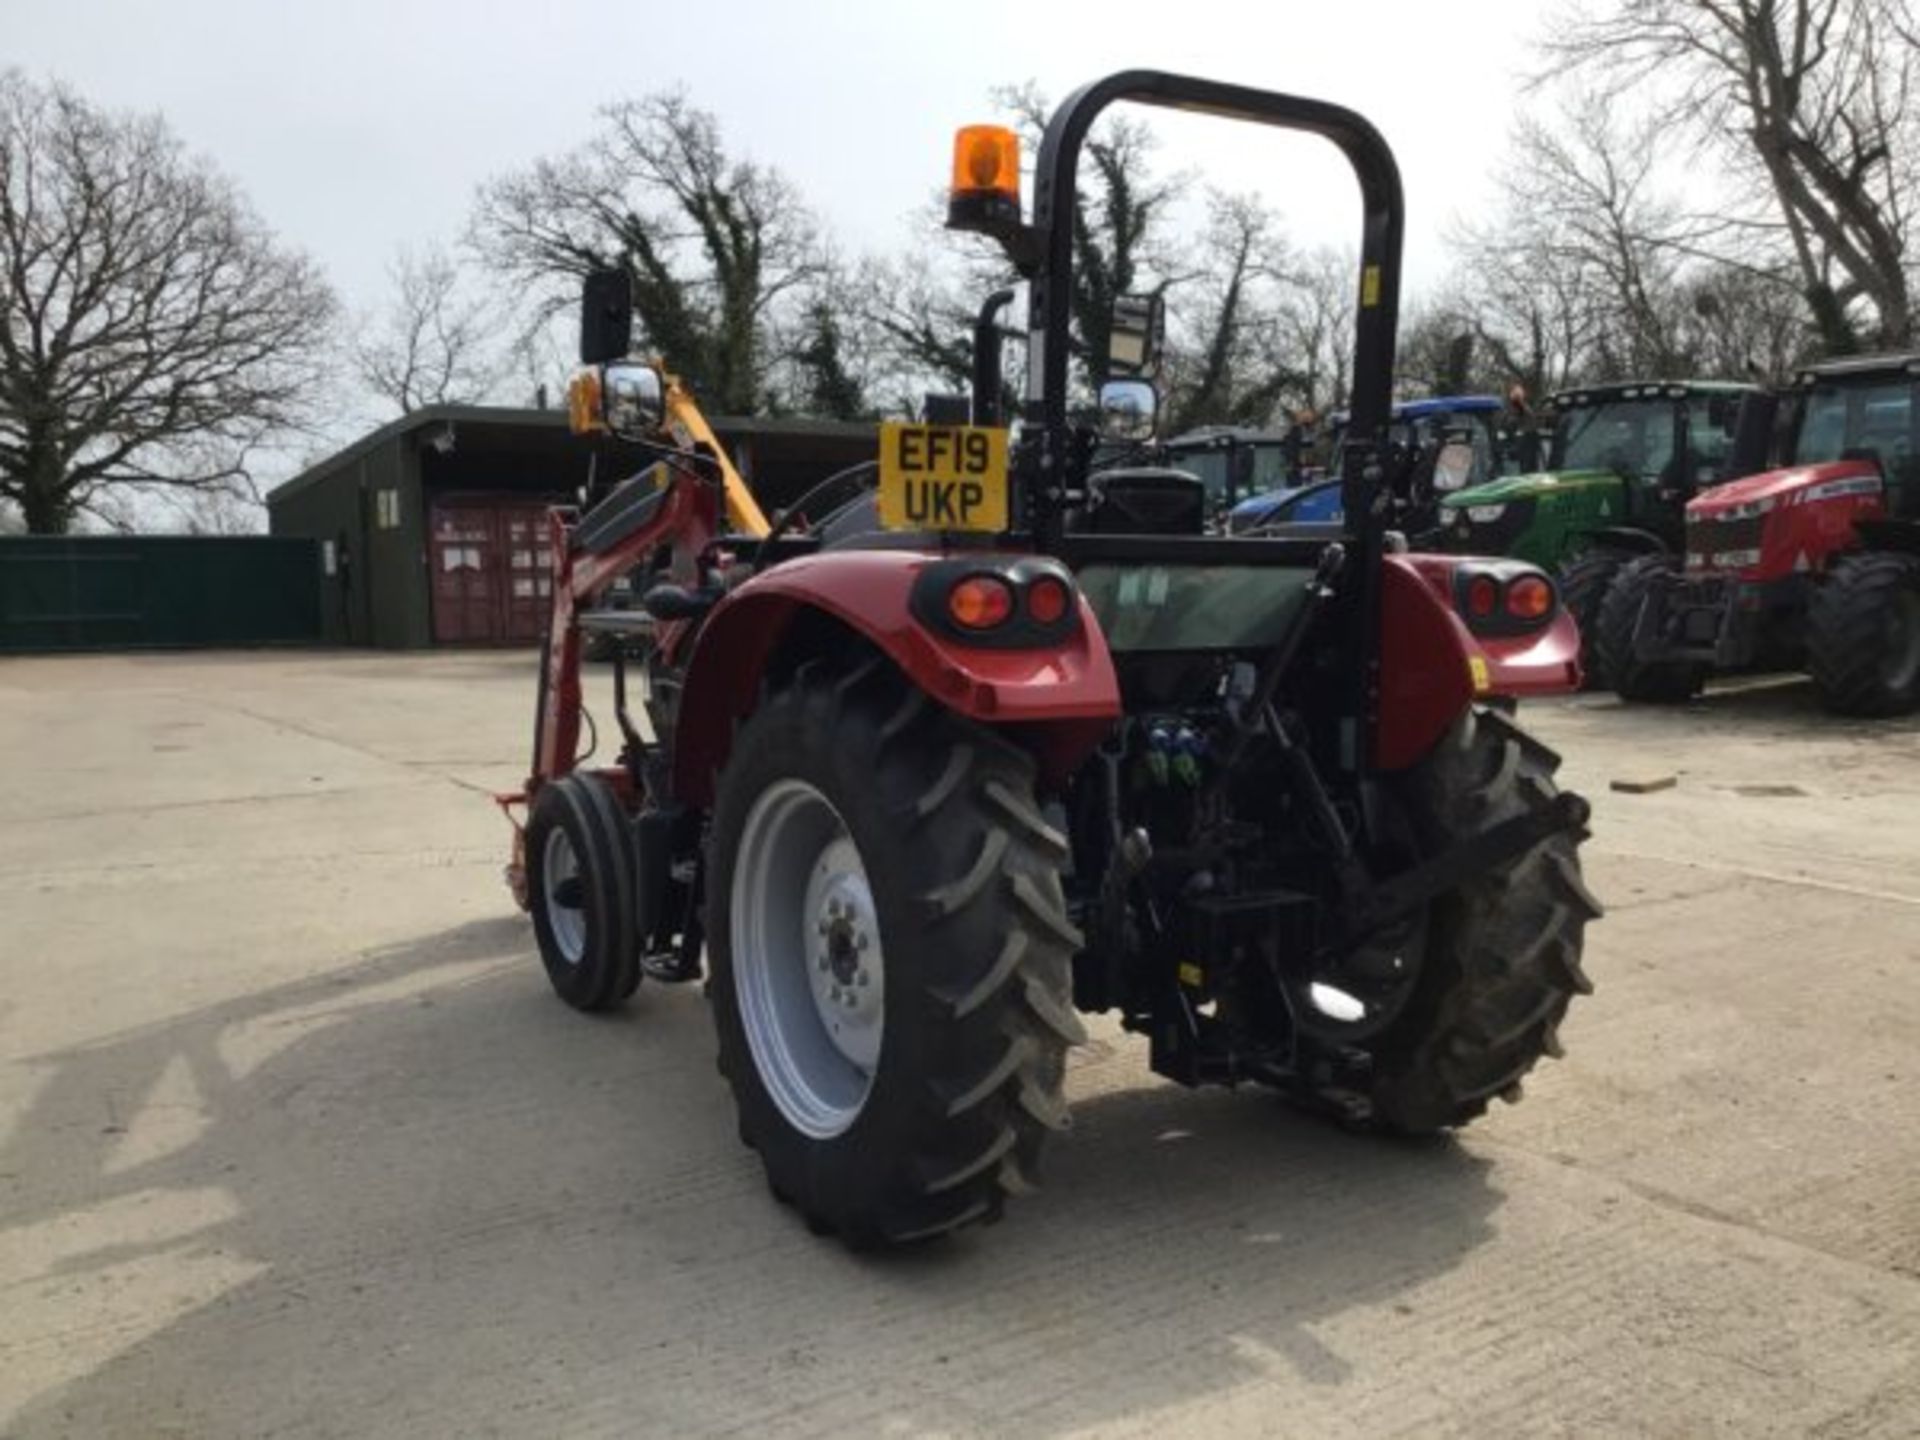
<point x="1234" y="469"/>
<point x="1474" y="428"/>
<point x="1272" y="469"/>
<point x="1838" y="420"/>
<point x="1630" y="437"/>
<point x="1710" y="429"/>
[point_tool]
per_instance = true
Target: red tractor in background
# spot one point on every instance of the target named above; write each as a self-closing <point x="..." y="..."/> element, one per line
<point x="1010" y="736"/>
<point x="1814" y="564"/>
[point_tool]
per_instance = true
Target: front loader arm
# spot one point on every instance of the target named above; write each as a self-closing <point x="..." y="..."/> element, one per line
<point x="690" y="431"/>
<point x="695" y="497"/>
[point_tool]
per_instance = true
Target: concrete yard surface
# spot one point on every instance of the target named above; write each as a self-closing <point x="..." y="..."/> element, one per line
<point x="295" y="1142"/>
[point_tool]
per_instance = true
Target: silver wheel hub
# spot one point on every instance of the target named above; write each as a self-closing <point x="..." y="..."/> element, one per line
<point x="807" y="965"/>
<point x="561" y="885"/>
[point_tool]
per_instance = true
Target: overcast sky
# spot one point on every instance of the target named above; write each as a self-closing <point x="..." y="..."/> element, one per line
<point x="358" y="126"/>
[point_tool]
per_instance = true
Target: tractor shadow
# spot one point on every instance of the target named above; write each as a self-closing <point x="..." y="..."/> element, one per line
<point x="417" y="1194"/>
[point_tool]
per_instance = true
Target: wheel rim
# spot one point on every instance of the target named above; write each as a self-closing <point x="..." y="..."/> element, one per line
<point x="807" y="964"/>
<point x="560" y="883"/>
<point x="1900" y="662"/>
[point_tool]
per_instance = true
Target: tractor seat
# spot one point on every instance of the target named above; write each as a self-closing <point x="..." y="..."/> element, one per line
<point x="680" y="602"/>
<point x="1147" y="500"/>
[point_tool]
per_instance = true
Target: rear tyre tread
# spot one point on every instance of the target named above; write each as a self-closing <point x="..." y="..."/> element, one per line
<point x="1505" y="961"/>
<point x="1844" y="642"/>
<point x="963" y="1107"/>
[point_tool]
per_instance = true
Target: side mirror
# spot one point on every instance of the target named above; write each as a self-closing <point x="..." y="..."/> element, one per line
<point x="606" y="316"/>
<point x="634" y="399"/>
<point x="1128" y="409"/>
<point x="1136" y="335"/>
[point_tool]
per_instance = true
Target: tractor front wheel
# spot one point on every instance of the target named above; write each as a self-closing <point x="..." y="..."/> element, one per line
<point x="580" y="878"/>
<point x="1662" y="682"/>
<point x="890" y="957"/>
<point x="1863" y="635"/>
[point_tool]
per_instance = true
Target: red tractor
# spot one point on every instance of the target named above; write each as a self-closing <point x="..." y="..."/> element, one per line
<point x="1815" y="564"/>
<point x="1010" y="737"/>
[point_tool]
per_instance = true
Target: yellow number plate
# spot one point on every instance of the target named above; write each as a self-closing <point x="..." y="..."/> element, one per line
<point x="943" y="477"/>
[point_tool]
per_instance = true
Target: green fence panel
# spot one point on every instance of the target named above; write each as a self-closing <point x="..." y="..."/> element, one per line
<point x="112" y="592"/>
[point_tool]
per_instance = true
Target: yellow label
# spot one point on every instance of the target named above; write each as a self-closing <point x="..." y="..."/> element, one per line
<point x="943" y="477"/>
<point x="1370" y="287"/>
<point x="1192" y="976"/>
<point x="1477" y="668"/>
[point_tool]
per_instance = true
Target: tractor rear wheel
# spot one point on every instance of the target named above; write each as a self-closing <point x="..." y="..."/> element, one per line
<point x="1863" y="635"/>
<point x="890" y="957"/>
<point x="1499" y="956"/>
<point x="580" y="881"/>
<point x="1663" y="682"/>
<point x="1583" y="583"/>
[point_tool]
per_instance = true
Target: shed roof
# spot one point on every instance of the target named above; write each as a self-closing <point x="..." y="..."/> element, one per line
<point x="506" y="419"/>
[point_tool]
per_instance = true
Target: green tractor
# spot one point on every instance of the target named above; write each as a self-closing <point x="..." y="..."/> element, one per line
<point x="1622" y="463"/>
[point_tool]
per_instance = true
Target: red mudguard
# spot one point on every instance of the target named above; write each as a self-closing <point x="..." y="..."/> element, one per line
<point x="1432" y="667"/>
<point x="1061" y="701"/>
<point x="1058" y="701"/>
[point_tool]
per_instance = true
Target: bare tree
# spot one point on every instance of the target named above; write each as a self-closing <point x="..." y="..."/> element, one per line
<point x="1316" y="324"/>
<point x="1816" y="99"/>
<point x="155" y="334"/>
<point x="1229" y="363"/>
<point x="1585" y="188"/>
<point x="921" y="317"/>
<point x="832" y="358"/>
<point x="713" y="242"/>
<point x="433" y="346"/>
<point x="1568" y="278"/>
<point x="1438" y="352"/>
<point x="1590" y="271"/>
<point x="1739" y="324"/>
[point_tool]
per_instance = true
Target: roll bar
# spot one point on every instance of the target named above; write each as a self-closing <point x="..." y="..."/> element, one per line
<point x="1383" y="226"/>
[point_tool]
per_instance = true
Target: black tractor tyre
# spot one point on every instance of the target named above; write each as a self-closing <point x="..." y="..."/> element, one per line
<point x="975" y="950"/>
<point x="1501" y="960"/>
<point x="1583" y="583"/>
<point x="1658" y="682"/>
<point x="580" y="891"/>
<point x="1863" y="635"/>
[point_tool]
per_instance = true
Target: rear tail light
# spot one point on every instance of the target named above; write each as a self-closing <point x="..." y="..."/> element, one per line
<point x="1503" y="597"/>
<point x="999" y="602"/>
<point x="1529" y="598"/>
<point x="1483" y="596"/>
<point x="1047" y="600"/>
<point x="980" y="602"/>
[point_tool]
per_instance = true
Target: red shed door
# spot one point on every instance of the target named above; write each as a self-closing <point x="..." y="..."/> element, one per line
<point x="529" y="559"/>
<point x="492" y="571"/>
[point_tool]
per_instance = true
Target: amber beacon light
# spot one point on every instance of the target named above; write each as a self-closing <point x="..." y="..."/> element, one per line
<point x="985" y="194"/>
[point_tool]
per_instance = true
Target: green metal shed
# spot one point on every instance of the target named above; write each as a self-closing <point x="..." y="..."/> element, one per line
<point x="432" y="527"/>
